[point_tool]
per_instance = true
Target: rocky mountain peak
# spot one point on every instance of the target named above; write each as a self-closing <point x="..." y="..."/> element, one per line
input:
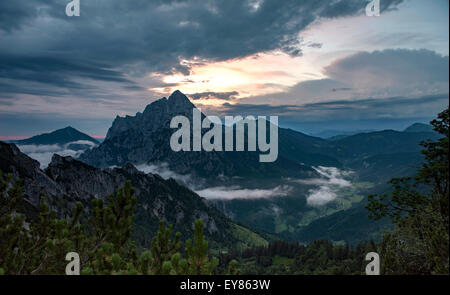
<point x="145" y="139"/>
<point x="177" y="97"/>
<point x="66" y="161"/>
<point x="11" y="158"/>
<point x="129" y="168"/>
<point x="35" y="181"/>
<point x="57" y="159"/>
<point x="60" y="136"/>
<point x="156" y="115"/>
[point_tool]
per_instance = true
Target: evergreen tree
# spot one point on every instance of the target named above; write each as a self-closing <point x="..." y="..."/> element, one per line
<point x="163" y="249"/>
<point x="103" y="243"/>
<point x="197" y="260"/>
<point x="110" y="242"/>
<point x="233" y="268"/>
<point x="419" y="207"/>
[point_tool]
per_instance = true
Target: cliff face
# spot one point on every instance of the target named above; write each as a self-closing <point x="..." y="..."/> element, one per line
<point x="141" y="138"/>
<point x="145" y="139"/>
<point x="156" y="115"/>
<point x="66" y="181"/>
<point x="35" y="181"/>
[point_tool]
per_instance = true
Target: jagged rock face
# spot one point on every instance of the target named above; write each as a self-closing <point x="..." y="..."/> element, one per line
<point x="157" y="199"/>
<point x="145" y="138"/>
<point x="141" y="138"/>
<point x="36" y="182"/>
<point x="68" y="180"/>
<point x="81" y="180"/>
<point x="155" y="115"/>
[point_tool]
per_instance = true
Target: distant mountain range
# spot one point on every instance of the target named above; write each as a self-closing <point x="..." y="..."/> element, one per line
<point x="64" y="142"/>
<point x="340" y="134"/>
<point x="336" y="134"/>
<point x="373" y="158"/>
<point x="59" y="137"/>
<point x="144" y="139"/>
<point x="274" y="197"/>
<point x="419" y="127"/>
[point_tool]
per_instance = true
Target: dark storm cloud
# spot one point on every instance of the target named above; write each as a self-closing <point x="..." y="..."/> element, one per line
<point x="400" y="65"/>
<point x="372" y="103"/>
<point x="315" y="45"/>
<point x="258" y="109"/>
<point x="210" y="95"/>
<point x="341" y="89"/>
<point x="54" y="71"/>
<point x="14" y="13"/>
<point x="338" y="8"/>
<point x="50" y="76"/>
<point x="112" y="37"/>
<point x="371" y="108"/>
<point x="7" y="90"/>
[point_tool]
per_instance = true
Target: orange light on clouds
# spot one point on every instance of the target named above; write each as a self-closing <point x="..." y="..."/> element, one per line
<point x="254" y="75"/>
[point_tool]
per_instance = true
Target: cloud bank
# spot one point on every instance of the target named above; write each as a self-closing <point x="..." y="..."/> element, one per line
<point x="44" y="153"/>
<point x="215" y="193"/>
<point x="327" y="187"/>
<point x="117" y="41"/>
<point x="366" y="79"/>
<point x="238" y="193"/>
<point x="163" y="170"/>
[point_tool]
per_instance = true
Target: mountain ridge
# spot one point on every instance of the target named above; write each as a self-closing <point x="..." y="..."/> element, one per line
<point x="419" y="127"/>
<point x="144" y="139"/>
<point x="60" y="136"/>
<point x="66" y="181"/>
<point x="372" y="157"/>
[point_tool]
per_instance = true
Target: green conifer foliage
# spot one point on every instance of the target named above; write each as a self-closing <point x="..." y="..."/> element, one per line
<point x="163" y="248"/>
<point x="197" y="260"/>
<point x="419" y="207"/>
<point x="103" y="243"/>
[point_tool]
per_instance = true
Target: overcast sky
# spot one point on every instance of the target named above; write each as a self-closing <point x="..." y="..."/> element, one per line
<point x="317" y="64"/>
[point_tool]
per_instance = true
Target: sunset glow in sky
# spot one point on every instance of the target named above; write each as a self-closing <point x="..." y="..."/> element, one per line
<point x="254" y="75"/>
<point x="328" y="62"/>
<point x="322" y="43"/>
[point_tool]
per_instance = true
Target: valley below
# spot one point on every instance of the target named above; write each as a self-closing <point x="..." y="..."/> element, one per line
<point x="317" y="188"/>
